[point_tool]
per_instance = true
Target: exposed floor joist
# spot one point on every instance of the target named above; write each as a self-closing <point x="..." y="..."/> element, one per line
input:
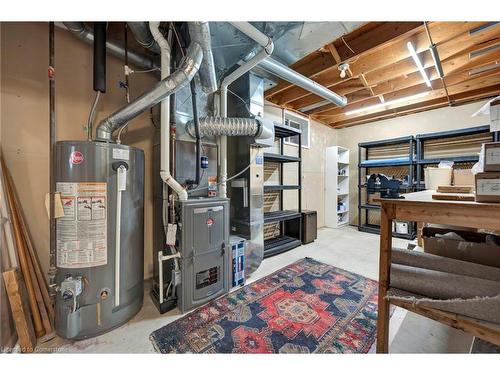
<point x="382" y="69"/>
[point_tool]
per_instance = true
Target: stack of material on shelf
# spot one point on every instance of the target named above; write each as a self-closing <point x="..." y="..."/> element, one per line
<point x="488" y="178"/>
<point x="27" y="290"/>
<point x="447" y="284"/>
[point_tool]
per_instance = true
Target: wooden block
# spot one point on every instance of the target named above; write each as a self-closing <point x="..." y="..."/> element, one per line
<point x="19" y="306"/>
<point x="454" y="197"/>
<point x="456" y="189"/>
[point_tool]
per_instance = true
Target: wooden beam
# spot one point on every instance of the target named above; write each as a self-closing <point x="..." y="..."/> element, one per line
<point x="459" y="74"/>
<point x="415" y="108"/>
<point x="375" y="34"/>
<point x="453" y="36"/>
<point x="331" y="48"/>
<point x="395" y="51"/>
<point x="469" y="93"/>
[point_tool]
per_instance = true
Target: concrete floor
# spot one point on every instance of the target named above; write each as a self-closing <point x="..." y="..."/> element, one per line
<point x="346" y="248"/>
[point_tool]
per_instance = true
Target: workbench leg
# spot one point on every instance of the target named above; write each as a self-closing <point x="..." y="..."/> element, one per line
<point x="420" y="228"/>
<point x="387" y="214"/>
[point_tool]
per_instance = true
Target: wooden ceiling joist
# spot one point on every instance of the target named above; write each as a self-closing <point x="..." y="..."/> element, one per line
<point x="380" y="66"/>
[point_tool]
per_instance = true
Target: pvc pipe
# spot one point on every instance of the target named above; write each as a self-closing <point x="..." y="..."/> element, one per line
<point x="117" y="244"/>
<point x="268" y="45"/>
<point x="165" y="115"/>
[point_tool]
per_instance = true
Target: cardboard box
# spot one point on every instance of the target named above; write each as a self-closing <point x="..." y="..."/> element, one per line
<point x="473" y="248"/>
<point x="488" y="187"/>
<point x="495" y="115"/>
<point x="463" y="177"/>
<point x="491" y="157"/>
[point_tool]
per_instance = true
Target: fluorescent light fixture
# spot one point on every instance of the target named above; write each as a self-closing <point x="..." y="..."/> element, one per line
<point x="484" y="51"/>
<point x="485" y="68"/>
<point x="386" y="104"/>
<point x="437" y="60"/>
<point x="419" y="65"/>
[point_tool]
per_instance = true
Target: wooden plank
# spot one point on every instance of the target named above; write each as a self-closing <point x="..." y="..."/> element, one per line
<point x="48" y="311"/>
<point x="386" y="216"/>
<point x="469" y="325"/>
<point x="23" y="259"/>
<point x="17" y="294"/>
<point x="455" y="189"/>
<point x="331" y="48"/>
<point x="372" y="36"/>
<point x="454" y="197"/>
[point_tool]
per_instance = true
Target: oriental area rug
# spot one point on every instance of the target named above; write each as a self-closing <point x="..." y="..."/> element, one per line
<point x="305" y="307"/>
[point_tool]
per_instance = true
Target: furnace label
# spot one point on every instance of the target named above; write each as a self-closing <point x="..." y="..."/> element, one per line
<point x="82" y="232"/>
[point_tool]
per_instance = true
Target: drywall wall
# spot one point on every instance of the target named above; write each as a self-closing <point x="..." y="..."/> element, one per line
<point x="313" y="165"/>
<point x="441" y="119"/>
<point x="25" y="116"/>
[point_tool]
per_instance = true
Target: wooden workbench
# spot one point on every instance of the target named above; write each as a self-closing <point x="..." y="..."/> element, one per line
<point x="420" y="207"/>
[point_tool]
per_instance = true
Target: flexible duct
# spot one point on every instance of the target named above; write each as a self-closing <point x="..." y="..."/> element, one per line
<point x="162" y="90"/>
<point x="292" y="76"/>
<point x="114" y="48"/>
<point x="200" y="33"/>
<point x="143" y="35"/>
<point x="226" y="126"/>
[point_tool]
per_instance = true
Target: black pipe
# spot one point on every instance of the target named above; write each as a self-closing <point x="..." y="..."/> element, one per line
<point x="196" y="122"/>
<point x="100" y="56"/>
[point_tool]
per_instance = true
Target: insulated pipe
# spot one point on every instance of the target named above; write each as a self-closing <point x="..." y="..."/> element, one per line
<point x="200" y="33"/>
<point x="114" y="48"/>
<point x="143" y="35"/>
<point x="162" y="90"/>
<point x="292" y="76"/>
<point x="100" y="56"/>
<point x="268" y="47"/>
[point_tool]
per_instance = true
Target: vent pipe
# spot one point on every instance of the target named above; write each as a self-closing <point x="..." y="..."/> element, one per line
<point x="200" y="33"/>
<point x="143" y="35"/>
<point x="180" y="78"/>
<point x="289" y="75"/>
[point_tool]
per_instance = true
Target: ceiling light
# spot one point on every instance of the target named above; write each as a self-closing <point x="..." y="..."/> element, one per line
<point x="386" y="104"/>
<point x="419" y="65"/>
<point x="437" y="60"/>
<point x="344" y="68"/>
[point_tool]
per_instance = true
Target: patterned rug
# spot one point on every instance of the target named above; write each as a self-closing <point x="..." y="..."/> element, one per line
<point x="305" y="307"/>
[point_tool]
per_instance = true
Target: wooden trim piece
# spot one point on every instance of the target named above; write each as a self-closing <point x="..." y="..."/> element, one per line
<point x="386" y="216"/>
<point x="469" y="325"/>
<point x="18" y="300"/>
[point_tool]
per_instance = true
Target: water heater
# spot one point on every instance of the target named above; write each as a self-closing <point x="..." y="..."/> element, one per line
<point x="100" y="237"/>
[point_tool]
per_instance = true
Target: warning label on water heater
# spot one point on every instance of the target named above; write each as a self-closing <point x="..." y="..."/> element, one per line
<point x="82" y="232"/>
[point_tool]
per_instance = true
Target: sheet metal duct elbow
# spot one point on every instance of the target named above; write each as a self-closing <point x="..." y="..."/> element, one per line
<point x="180" y="78"/>
<point x="143" y="35"/>
<point x="200" y="33"/>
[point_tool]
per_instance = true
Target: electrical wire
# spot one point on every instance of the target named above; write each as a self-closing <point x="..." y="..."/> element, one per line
<point x="229" y="179"/>
<point x="242" y="100"/>
<point x="92" y="115"/>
